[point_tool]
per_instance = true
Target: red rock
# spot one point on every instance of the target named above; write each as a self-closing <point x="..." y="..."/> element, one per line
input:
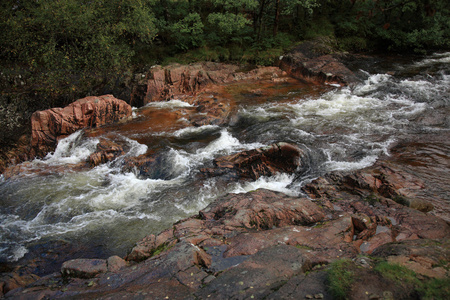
<point x="163" y="83"/>
<point x="175" y="81"/>
<point x="115" y="263"/>
<point x="262" y="209"/>
<point x="53" y="124"/>
<point x="106" y="151"/>
<point x="423" y="256"/>
<point x="146" y="247"/>
<point x="210" y="110"/>
<point x="11" y="281"/>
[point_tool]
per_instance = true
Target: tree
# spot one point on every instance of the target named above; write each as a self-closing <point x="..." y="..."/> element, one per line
<point x="70" y="41"/>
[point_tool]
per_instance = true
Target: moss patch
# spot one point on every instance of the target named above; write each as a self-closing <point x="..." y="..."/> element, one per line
<point x="341" y="277"/>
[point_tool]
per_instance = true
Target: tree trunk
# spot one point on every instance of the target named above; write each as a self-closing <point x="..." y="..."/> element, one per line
<point x="277" y="17"/>
<point x="260" y="18"/>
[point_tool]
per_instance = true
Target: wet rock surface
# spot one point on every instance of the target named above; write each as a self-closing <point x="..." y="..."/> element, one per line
<point x="178" y="81"/>
<point x="265" y="244"/>
<point x="252" y="164"/>
<point x="106" y="151"/>
<point x="162" y="83"/>
<point x="317" y="62"/>
<point x="51" y="125"/>
<point x="201" y="85"/>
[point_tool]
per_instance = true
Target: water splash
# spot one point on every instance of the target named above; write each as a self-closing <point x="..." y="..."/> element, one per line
<point x="279" y="183"/>
<point x="71" y="150"/>
<point x="174" y="103"/>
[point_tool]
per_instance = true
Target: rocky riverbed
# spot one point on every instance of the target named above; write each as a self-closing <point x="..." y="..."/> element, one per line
<point x="262" y="243"/>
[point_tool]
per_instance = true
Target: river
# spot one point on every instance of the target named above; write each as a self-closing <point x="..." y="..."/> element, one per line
<point x="104" y="210"/>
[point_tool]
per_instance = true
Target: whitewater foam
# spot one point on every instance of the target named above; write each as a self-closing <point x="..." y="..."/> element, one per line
<point x="191" y="131"/>
<point x="437" y="58"/>
<point x="278" y="183"/>
<point x="351" y="166"/>
<point x="174" y="103"/>
<point x="71" y="150"/>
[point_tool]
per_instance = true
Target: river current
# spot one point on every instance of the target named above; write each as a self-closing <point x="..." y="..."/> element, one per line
<point x="108" y="210"/>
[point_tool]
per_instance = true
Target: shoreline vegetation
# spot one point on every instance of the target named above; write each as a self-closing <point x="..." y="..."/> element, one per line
<point x="53" y="53"/>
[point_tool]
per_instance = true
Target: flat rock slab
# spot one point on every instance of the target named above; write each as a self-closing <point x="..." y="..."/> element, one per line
<point x="258" y="276"/>
<point x="83" y="268"/>
<point x="263" y="209"/>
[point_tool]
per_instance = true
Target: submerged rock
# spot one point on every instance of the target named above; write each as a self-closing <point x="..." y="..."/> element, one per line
<point x="106" y="151"/>
<point x="252" y="164"/>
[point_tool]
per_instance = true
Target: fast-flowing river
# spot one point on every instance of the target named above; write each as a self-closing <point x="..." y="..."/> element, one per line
<point x="105" y="210"/>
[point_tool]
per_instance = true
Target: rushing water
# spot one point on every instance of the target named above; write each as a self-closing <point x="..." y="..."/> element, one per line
<point x="109" y="210"/>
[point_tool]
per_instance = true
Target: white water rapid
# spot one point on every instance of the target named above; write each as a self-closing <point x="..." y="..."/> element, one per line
<point x="109" y="209"/>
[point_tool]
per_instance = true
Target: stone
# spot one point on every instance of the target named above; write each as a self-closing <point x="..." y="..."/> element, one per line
<point x="83" y="268"/>
<point x="49" y="126"/>
<point x="115" y="263"/>
<point x="313" y="62"/>
<point x="252" y="164"/>
<point x="147" y="247"/>
<point x="107" y="150"/>
<point x="256" y="277"/>
<point x="423" y="256"/>
<point x="12" y="281"/>
<point x="164" y="83"/>
<point x="262" y="209"/>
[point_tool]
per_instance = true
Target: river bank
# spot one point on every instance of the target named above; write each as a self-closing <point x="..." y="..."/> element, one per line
<point x="335" y="209"/>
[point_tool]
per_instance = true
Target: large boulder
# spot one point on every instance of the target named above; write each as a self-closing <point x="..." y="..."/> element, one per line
<point x="162" y="83"/>
<point x="176" y="81"/>
<point x="263" y="209"/>
<point x="49" y="126"/>
<point x="315" y="62"/>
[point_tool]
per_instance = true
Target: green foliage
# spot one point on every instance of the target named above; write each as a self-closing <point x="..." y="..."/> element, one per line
<point x="404" y="25"/>
<point x="188" y="32"/>
<point x="68" y="49"/>
<point x="427" y="288"/>
<point x="290" y="6"/>
<point x="228" y="23"/>
<point x="72" y="44"/>
<point x="236" y="4"/>
<point x="343" y="273"/>
<point x="340" y="277"/>
<point x="160" y="249"/>
<point x="434" y="289"/>
<point x="397" y="273"/>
